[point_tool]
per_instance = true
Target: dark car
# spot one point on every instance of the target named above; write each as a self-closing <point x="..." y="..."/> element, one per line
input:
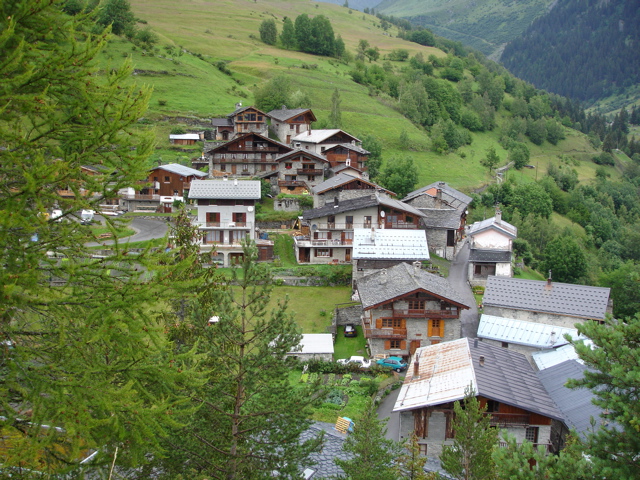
<point x="395" y="363"/>
<point x="350" y="330"/>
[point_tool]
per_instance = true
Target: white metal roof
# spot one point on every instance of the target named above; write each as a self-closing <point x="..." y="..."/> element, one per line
<point x="180" y="170"/>
<point x="184" y="136"/>
<point x="550" y="358"/>
<point x="390" y="244"/>
<point x="316" y="343"/>
<point x="225" y="189"/>
<point x="522" y="332"/>
<point x="317" y="136"/>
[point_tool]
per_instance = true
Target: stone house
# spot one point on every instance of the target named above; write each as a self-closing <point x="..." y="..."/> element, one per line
<point x="550" y="303"/>
<point x="405" y="308"/>
<point x="377" y="248"/>
<point x="226" y="215"/>
<point x="298" y="171"/>
<point x="320" y="140"/>
<point x="445" y="210"/>
<point x="239" y="122"/>
<point x="345" y="186"/>
<point x="247" y="155"/>
<point x="331" y="227"/>
<point x="503" y="381"/>
<point x="289" y="123"/>
<point x="491" y="245"/>
<point x="347" y="154"/>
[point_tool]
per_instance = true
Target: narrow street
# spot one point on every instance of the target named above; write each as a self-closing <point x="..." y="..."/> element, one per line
<point x="458" y="278"/>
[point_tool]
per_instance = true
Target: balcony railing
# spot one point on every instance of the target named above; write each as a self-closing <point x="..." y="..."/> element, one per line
<point x="509" y="419"/>
<point x="321" y="242"/>
<point x="425" y="313"/>
<point x="390" y="333"/>
<point x="400" y="225"/>
<point x="310" y="171"/>
<point x="140" y="196"/>
<point x="291" y="183"/>
<point x="226" y="225"/>
<point x="344" y="226"/>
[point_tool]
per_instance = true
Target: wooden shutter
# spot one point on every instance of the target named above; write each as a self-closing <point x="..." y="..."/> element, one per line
<point x="403" y="323"/>
<point x="331" y="252"/>
<point x="328" y="235"/>
<point x="379" y="322"/>
<point x="315" y="235"/>
<point x="387" y="344"/>
<point x="403" y="344"/>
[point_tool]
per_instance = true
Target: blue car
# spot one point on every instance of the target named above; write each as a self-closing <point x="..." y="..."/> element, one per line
<point x="395" y="363"/>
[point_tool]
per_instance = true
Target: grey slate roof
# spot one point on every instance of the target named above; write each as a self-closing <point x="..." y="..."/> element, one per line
<point x="225" y="189"/>
<point x="358" y="203"/>
<point x="299" y="151"/>
<point x="242" y="109"/>
<point x="449" y="194"/>
<point x="180" y="170"/>
<point x="221" y="122"/>
<point x="489" y="256"/>
<point x="325" y="466"/>
<point x="340" y="180"/>
<point x="402" y="279"/>
<point x="351" y="147"/>
<point x="508" y="377"/>
<point x="441" y="218"/>
<point x="491" y="223"/>
<point x="287" y="113"/>
<point x="574" y="403"/>
<point x="343" y="166"/>
<point x="535" y="295"/>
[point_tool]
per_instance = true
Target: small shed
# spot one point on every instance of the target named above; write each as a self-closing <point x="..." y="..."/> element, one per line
<point x="184" y="139"/>
<point x="317" y="346"/>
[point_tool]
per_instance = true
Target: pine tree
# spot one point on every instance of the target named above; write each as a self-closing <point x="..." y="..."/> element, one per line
<point x="412" y="462"/>
<point x="335" y="117"/>
<point x="88" y="354"/>
<point x="469" y="458"/>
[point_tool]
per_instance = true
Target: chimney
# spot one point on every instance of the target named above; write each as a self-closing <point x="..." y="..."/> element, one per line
<point x="481" y="360"/>
<point x="284" y="107"/>
<point x="416" y="369"/>
<point x="498" y="215"/>
<point x="235" y="182"/>
<point x="417" y="266"/>
<point x="225" y="178"/>
<point x="548" y="285"/>
<point x="439" y="195"/>
<point x="475" y="343"/>
<point x="238" y="105"/>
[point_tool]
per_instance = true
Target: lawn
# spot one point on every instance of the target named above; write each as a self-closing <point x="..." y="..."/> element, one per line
<point x="529" y="274"/>
<point x="345" y="347"/>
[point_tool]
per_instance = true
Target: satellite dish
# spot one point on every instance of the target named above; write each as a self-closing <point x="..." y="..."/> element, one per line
<point x="314" y="227"/>
<point x="383" y="214"/>
<point x="249" y="209"/>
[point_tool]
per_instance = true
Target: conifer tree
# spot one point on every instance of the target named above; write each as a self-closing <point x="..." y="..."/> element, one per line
<point x="335" y="117"/>
<point x="288" y="35"/>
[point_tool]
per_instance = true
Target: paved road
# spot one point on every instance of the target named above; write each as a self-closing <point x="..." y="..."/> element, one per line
<point x="384" y="411"/>
<point x="458" y="278"/>
<point x="145" y="228"/>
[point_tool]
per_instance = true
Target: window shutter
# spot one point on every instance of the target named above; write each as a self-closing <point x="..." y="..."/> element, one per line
<point x="331" y="252"/>
<point x="403" y="323"/>
<point x="387" y="344"/>
<point x="403" y="344"/>
<point x="315" y="235"/>
<point x="379" y="323"/>
<point x="329" y="235"/>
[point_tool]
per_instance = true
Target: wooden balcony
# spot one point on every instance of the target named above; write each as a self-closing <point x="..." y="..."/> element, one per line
<point x="140" y="196"/>
<point x="344" y="226"/>
<point x="426" y="314"/>
<point x="227" y="225"/>
<point x="388" y="333"/>
<point x="321" y="242"/>
<point x="292" y="183"/>
<point x="400" y="225"/>
<point x="509" y="419"/>
<point x="310" y="171"/>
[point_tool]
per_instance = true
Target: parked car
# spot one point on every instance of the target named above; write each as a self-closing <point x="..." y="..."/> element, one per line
<point x="363" y="362"/>
<point x="350" y="330"/>
<point x="395" y="363"/>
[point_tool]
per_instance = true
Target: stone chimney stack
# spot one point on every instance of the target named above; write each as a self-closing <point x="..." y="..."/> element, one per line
<point x="481" y="360"/>
<point x="498" y="215"/>
<point x="439" y="194"/>
<point x="238" y="105"/>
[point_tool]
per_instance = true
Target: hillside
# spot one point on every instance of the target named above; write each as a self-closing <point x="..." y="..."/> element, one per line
<point x="586" y="50"/>
<point x="187" y="83"/>
<point x="485" y="26"/>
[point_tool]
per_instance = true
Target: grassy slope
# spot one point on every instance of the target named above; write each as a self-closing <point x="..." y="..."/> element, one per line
<point x="222" y="30"/>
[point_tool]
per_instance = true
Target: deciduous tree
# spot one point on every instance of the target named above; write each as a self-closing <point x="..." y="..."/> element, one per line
<point x="118" y="14"/>
<point x="566" y="260"/>
<point x="491" y="159"/>
<point x="269" y="31"/>
<point x="399" y="175"/>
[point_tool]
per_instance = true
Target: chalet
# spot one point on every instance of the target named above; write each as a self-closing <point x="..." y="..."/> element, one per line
<point x="185" y="138"/>
<point x="378" y="248"/>
<point x="445" y="210"/>
<point x="345" y="186"/>
<point x="503" y="381"/>
<point x="348" y="169"/>
<point x="248" y="154"/>
<point x="288" y="123"/>
<point x="320" y="140"/>
<point x="239" y="122"/>
<point x="298" y="171"/>
<point x="491" y="244"/>
<point x="330" y="228"/>
<point x="347" y="154"/>
<point x="164" y="184"/>
<point x="405" y="307"/>
<point x="551" y="303"/>
<point x="226" y="215"/>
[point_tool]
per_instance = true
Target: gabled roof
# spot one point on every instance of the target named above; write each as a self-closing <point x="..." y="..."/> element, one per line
<point x="318" y="136"/>
<point x="491" y="223"/>
<point x="349" y="146"/>
<point x="450" y="195"/>
<point x="245" y="136"/>
<point x="522" y="332"/>
<point x="580" y="301"/>
<point x="403" y="279"/>
<point x="343" y="166"/>
<point x="447" y="369"/>
<point x="574" y="403"/>
<point x="300" y="151"/>
<point x="359" y="203"/>
<point x="180" y="170"/>
<point x="448" y="218"/>
<point x="390" y="244"/>
<point x="285" y="113"/>
<point x="221" y="122"/>
<point x="242" y="109"/>
<point x="489" y="256"/>
<point x="225" y="189"/>
<point x="341" y="180"/>
<point x="548" y="358"/>
<point x="322" y="464"/>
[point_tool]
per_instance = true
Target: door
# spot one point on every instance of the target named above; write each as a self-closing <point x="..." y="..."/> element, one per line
<point x="347" y="255"/>
<point x="413" y="346"/>
<point x="233" y="169"/>
<point x="435" y="327"/>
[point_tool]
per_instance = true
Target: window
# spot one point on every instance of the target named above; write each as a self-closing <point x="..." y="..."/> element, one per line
<point x="223" y="167"/>
<point x="323" y="252"/>
<point x="223" y="156"/>
<point x="263" y="167"/>
<point x="416" y="304"/>
<point x="392" y="323"/>
<point x="259" y="118"/>
<point x="349" y="221"/>
<point x="493" y="406"/>
<point x="155" y="179"/>
<point x="395" y="344"/>
<point x="531" y="434"/>
<point x="322" y="149"/>
<point x="167" y="179"/>
<point x="213" y="236"/>
<point x="288" y="165"/>
<point x="435" y="327"/>
<point x="249" y="144"/>
<point x="367" y="221"/>
<point x="291" y="127"/>
<point x="423" y="449"/>
<point x="245" y="167"/>
<point x="451" y="238"/>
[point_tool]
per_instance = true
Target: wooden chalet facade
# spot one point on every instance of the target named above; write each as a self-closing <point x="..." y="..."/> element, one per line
<point x="347" y="154"/>
<point x="241" y="121"/>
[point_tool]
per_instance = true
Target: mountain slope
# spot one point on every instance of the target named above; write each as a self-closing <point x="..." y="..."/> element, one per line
<point x="583" y="49"/>
<point x="485" y="25"/>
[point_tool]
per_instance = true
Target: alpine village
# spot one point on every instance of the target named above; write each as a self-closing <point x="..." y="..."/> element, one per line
<point x="294" y="239"/>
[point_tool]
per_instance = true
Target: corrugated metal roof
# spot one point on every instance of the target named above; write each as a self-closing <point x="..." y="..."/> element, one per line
<point x="184" y="136"/>
<point x="522" y="332"/>
<point x="581" y="301"/>
<point x="446" y="369"/>
<point x="401" y="279"/>
<point x="574" y="403"/>
<point x="548" y="358"/>
<point x="491" y="223"/>
<point x="489" y="256"/>
<point x="390" y="244"/>
<point x="316" y="343"/>
<point x="225" y="189"/>
<point x="180" y="170"/>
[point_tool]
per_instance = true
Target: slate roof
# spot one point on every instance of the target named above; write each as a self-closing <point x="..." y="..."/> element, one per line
<point x="491" y="223"/>
<point x="441" y="218"/>
<point x="242" y="109"/>
<point x="446" y="369"/>
<point x="574" y="403"/>
<point x="349" y="146"/>
<point x="401" y="279"/>
<point x="180" y="170"/>
<point x="522" y="332"/>
<point x="389" y="244"/>
<point x="340" y="180"/>
<point x="221" y="122"/>
<point x="241" y="137"/>
<point x="225" y="189"/>
<point x="318" y="136"/>
<point x="450" y="195"/>
<point x="343" y="166"/>
<point x="285" y="114"/>
<point x="299" y="151"/>
<point x="489" y="256"/>
<point x="358" y="203"/>
<point x="580" y="301"/>
<point x="322" y="463"/>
